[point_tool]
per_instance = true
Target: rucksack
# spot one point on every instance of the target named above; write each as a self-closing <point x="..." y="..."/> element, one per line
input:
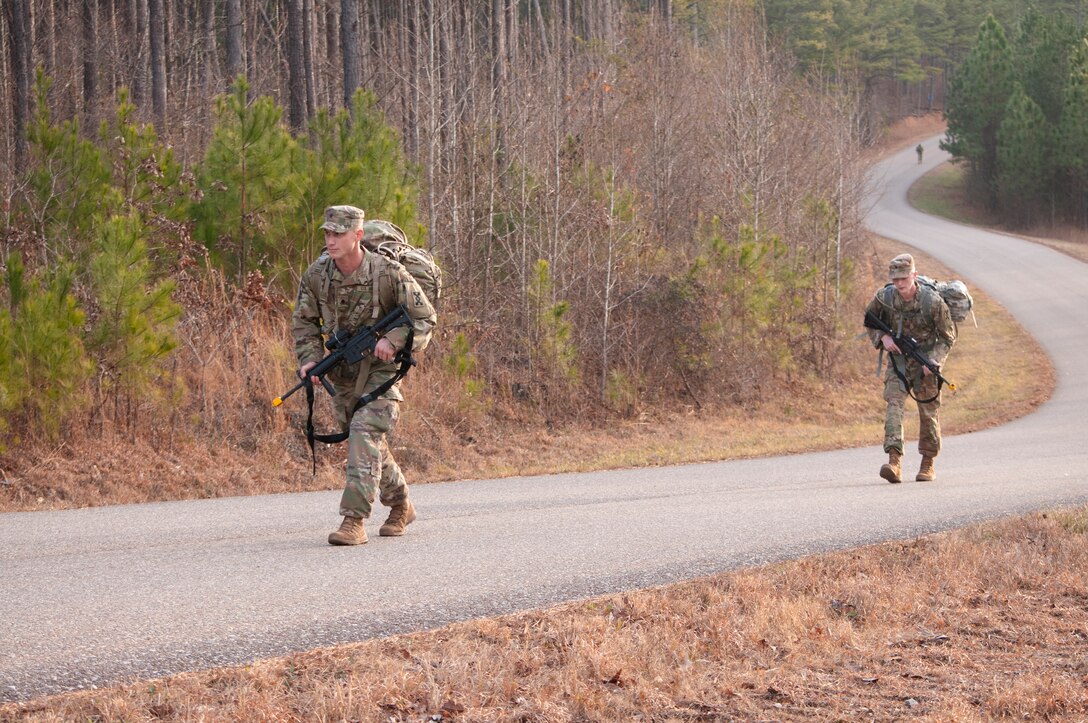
<point x="387" y="239"/>
<point x="955" y="295"/>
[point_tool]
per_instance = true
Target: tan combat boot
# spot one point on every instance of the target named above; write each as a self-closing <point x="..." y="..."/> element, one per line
<point x="926" y="473"/>
<point x="351" y="532"/>
<point x="892" y="470"/>
<point x="400" y="516"/>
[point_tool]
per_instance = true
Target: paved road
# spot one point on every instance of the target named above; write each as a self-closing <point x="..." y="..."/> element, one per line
<point x="94" y="596"/>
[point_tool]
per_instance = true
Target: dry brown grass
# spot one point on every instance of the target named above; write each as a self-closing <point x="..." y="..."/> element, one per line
<point x="985" y="623"/>
<point x="443" y="437"/>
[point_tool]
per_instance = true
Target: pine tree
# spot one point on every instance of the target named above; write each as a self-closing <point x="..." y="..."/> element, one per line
<point x="143" y="170"/>
<point x="69" y="182"/>
<point x="1041" y="58"/>
<point x="881" y="40"/>
<point x="43" y="364"/>
<point x="550" y="343"/>
<point x="244" y="179"/>
<point x="354" y="159"/>
<point x="132" y="329"/>
<point x="1072" y="142"/>
<point x="977" y="96"/>
<point x="808" y="28"/>
<point x="1024" y="152"/>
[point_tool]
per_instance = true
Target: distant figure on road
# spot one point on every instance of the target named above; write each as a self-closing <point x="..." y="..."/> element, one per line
<point x="919" y="150"/>
<point x="349" y="287"/>
<point x="917" y="311"/>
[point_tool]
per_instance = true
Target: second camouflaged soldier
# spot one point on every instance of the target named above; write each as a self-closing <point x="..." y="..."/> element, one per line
<point x="346" y="288"/>
<point x="916" y="311"/>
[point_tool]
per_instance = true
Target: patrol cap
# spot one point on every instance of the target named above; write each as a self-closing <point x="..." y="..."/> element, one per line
<point x="339" y="219"/>
<point x="901" y="267"/>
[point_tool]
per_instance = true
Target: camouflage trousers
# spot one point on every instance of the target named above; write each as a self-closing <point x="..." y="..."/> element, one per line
<point x="371" y="467"/>
<point x="929" y="423"/>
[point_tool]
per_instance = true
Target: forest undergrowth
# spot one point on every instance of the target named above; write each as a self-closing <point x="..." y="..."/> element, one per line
<point x="248" y="448"/>
<point x="986" y="623"/>
<point x="224" y="438"/>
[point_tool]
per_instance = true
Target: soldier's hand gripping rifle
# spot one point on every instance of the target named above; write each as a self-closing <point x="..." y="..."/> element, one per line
<point x="909" y="346"/>
<point x="350" y="349"/>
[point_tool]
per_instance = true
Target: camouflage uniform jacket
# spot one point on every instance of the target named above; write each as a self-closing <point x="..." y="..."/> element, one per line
<point x="328" y="301"/>
<point x="925" y="318"/>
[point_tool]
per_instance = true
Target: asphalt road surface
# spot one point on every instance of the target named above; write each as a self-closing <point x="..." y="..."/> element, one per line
<point x="90" y="597"/>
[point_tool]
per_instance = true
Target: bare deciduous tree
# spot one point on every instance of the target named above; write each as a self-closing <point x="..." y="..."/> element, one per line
<point x="17" y="18"/>
<point x="296" y="66"/>
<point x="235" y="40"/>
<point x="156" y="24"/>
<point x="350" y="38"/>
<point x="89" y="53"/>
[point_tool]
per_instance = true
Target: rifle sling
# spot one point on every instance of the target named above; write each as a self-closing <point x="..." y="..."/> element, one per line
<point x="907" y="386"/>
<point x="906" y="382"/>
<point x="404" y="356"/>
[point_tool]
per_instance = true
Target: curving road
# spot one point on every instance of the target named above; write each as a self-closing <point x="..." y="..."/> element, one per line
<point x="90" y="597"/>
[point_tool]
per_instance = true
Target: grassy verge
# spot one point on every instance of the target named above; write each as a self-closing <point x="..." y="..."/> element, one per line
<point x="985" y="623"/>
<point x="940" y="193"/>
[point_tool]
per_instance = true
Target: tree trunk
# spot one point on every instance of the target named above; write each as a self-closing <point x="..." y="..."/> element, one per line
<point x="332" y="51"/>
<point x="350" y="38"/>
<point x="544" y="46"/>
<point x="210" y="54"/>
<point x="308" y="57"/>
<point x="140" y="43"/>
<point x="131" y="51"/>
<point x="156" y="21"/>
<point x="235" y="32"/>
<point x="296" y="80"/>
<point x="498" y="71"/>
<point x="49" y="40"/>
<point x="90" y="55"/>
<point x="412" y="48"/>
<point x="17" y="15"/>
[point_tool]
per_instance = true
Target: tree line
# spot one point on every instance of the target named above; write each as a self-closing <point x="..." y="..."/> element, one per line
<point x="634" y="203"/>
<point x="901" y="52"/>
<point x="1017" y="115"/>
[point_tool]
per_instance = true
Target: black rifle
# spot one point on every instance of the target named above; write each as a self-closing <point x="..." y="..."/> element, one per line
<point x="350" y="349"/>
<point x="909" y="347"/>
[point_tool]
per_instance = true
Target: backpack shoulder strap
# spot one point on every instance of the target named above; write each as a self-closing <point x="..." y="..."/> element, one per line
<point x="930" y="298"/>
<point x="325" y="272"/>
<point x="884" y="296"/>
<point x="381" y="273"/>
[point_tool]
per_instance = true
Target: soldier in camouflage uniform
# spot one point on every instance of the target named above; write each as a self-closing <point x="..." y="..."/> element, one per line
<point x="346" y="288"/>
<point x="919" y="312"/>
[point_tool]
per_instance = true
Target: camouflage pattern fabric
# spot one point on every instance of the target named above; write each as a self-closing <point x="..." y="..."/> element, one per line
<point x="926" y="318"/>
<point x="340" y="219"/>
<point x="371" y="466"/>
<point x="329" y="301"/>
<point x="929" y="423"/>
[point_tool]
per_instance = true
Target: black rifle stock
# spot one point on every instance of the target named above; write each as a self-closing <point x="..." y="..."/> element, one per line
<point x="909" y="347"/>
<point x="350" y="348"/>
